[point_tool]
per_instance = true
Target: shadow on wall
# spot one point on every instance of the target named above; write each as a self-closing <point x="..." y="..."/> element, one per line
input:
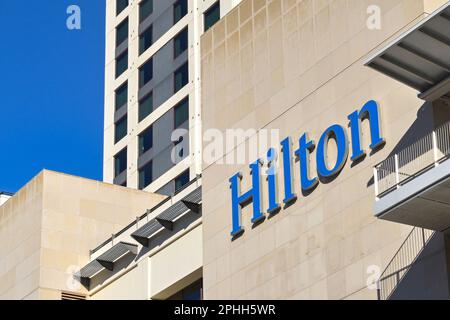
<point x="428" y="276"/>
<point x="422" y="126"/>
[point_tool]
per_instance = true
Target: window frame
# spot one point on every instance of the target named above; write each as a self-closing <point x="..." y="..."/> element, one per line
<point x="175" y="21"/>
<point x="186" y="29"/>
<point x="117" y="7"/>
<point x="125" y="84"/>
<point x="141" y="85"/>
<point x="123" y="119"/>
<point x="150" y="94"/>
<point x="178" y="105"/>
<point x="124" y="22"/>
<point x="188" y="172"/>
<point x="186" y="64"/>
<point x="141" y="49"/>
<point x="116" y="156"/>
<point x="148" y="164"/>
<point x="125" y="53"/>
<point x="140" y="136"/>
<point x="140" y="10"/>
<point x="208" y="11"/>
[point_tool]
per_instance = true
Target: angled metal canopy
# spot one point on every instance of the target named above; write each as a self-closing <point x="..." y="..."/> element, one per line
<point x="144" y="233"/>
<point x="193" y="200"/>
<point x="105" y="261"/>
<point x="420" y="58"/>
<point x="118" y="251"/>
<point x="167" y="218"/>
<point x="91" y="269"/>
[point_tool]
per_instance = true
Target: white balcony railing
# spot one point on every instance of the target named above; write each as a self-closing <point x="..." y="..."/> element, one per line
<point x="422" y="155"/>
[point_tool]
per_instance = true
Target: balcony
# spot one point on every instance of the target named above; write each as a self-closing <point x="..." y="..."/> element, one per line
<point x="413" y="186"/>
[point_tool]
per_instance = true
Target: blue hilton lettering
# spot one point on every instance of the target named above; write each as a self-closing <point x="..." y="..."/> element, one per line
<point x="308" y="180"/>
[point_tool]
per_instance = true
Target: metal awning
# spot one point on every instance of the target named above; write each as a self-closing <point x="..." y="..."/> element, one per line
<point x="108" y="258"/>
<point x="172" y="213"/>
<point x="193" y="200"/>
<point x="91" y="269"/>
<point x="420" y="58"/>
<point x="167" y="218"/>
<point x="144" y="233"/>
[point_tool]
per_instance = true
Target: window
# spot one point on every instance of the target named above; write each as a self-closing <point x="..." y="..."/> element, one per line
<point x="145" y="9"/>
<point x="146" y="73"/>
<point x="212" y="15"/>
<point x="145" y="106"/>
<point x="145" y="175"/>
<point x="181" y="77"/>
<point x="120" y="129"/>
<point x="120" y="162"/>
<point x="181" y="113"/>
<point x="191" y="292"/>
<point x="146" y="140"/>
<point x="180" y="9"/>
<point x="146" y="39"/>
<point x="121" y="5"/>
<point x="121" y="64"/>
<point x="122" y="33"/>
<point x="180" y="43"/>
<point x="121" y="96"/>
<point x="181" y="180"/>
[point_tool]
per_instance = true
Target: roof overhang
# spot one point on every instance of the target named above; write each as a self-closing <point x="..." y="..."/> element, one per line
<point x="420" y="57"/>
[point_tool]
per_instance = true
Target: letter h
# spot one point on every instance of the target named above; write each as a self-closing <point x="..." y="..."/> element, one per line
<point x="241" y="200"/>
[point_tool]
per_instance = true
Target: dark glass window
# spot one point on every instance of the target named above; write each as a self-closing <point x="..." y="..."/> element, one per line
<point x="145" y="175"/>
<point x="146" y="40"/>
<point x="120" y="129"/>
<point x="121" y="5"/>
<point x="181" y="180"/>
<point x="212" y="15"/>
<point x="145" y="9"/>
<point x="122" y="32"/>
<point x="146" y="140"/>
<point x="120" y="162"/>
<point x="146" y="73"/>
<point x="145" y="107"/>
<point x="181" y="77"/>
<point x="121" y="64"/>
<point x="181" y="113"/>
<point x="191" y="292"/>
<point x="180" y="43"/>
<point x="121" y="96"/>
<point x="180" y="9"/>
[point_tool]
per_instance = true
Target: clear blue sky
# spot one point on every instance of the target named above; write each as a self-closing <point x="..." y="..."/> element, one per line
<point x="51" y="105"/>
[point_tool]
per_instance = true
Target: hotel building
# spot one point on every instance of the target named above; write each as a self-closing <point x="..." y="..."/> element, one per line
<point x="152" y="91"/>
<point x="4" y="196"/>
<point x="350" y="203"/>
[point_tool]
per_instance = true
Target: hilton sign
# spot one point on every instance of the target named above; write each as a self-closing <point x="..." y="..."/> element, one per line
<point x="308" y="181"/>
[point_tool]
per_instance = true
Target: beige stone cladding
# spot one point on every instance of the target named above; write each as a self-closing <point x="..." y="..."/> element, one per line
<point x="297" y="66"/>
<point x="48" y="227"/>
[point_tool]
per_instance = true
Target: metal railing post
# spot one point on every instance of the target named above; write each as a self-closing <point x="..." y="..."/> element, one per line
<point x="397" y="175"/>
<point x="435" y="149"/>
<point x="375" y="181"/>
